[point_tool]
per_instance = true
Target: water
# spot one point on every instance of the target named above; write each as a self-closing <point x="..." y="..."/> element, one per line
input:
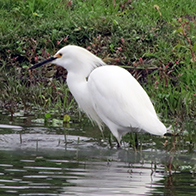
<point x="39" y="160"/>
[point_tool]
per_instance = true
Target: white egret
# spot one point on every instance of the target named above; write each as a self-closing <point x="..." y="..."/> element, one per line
<point x="108" y="94"/>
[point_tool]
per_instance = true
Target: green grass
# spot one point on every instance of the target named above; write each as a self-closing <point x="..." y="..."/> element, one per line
<point x="46" y="96"/>
<point x="154" y="40"/>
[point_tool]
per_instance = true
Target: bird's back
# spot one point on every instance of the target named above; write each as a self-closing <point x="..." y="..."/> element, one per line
<point x="118" y="98"/>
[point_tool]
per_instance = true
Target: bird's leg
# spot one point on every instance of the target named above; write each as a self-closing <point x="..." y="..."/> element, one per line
<point x="118" y="145"/>
<point x="136" y="141"/>
<point x="111" y="142"/>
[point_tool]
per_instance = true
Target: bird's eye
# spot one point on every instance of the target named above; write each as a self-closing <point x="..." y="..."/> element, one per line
<point x="60" y="55"/>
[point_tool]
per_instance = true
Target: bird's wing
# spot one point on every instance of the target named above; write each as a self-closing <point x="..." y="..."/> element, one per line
<point x="118" y="97"/>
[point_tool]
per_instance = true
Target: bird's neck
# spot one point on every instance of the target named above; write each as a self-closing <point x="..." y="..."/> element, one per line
<point x="78" y="87"/>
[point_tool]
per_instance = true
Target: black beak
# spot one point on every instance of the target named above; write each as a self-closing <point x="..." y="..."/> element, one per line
<point x="43" y="62"/>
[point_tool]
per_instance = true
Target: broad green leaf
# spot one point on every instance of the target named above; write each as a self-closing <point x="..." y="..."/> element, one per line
<point x="47" y="115"/>
<point x="66" y="118"/>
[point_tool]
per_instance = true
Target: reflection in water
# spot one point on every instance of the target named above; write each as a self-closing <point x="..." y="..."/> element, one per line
<point x="117" y="179"/>
<point x="92" y="172"/>
<point x="37" y="162"/>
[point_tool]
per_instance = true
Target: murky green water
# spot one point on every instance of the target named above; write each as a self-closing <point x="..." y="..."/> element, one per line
<point x="37" y="160"/>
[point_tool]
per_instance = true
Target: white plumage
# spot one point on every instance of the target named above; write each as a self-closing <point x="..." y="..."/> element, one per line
<point x="106" y="93"/>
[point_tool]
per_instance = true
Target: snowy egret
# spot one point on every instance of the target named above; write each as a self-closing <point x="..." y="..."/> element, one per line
<point x="108" y="94"/>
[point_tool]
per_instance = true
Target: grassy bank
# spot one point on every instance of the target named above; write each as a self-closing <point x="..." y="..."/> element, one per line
<point x="154" y="40"/>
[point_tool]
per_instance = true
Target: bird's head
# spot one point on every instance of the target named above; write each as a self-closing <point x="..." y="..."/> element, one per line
<point x="73" y="59"/>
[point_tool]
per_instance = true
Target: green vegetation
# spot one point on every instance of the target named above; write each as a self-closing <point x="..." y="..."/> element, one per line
<point x="154" y="40"/>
